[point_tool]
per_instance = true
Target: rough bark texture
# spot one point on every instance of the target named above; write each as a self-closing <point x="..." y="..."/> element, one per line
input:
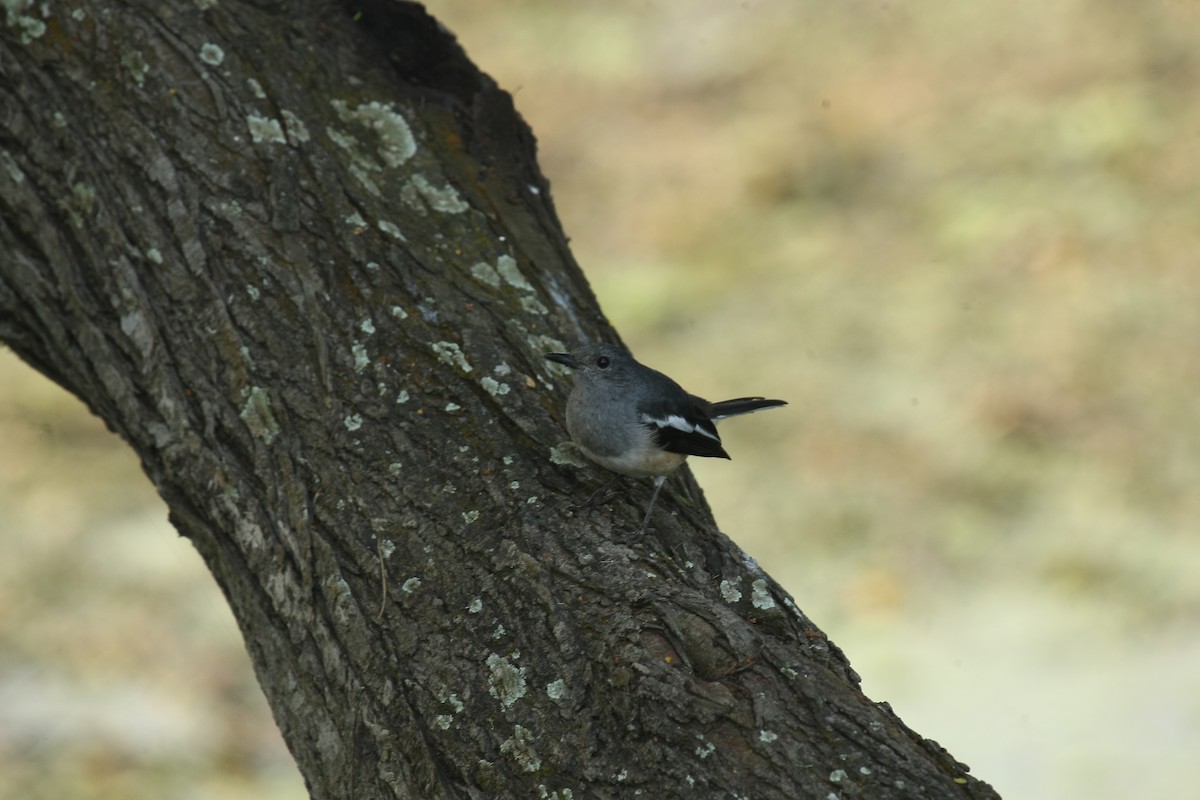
<point x="301" y="257"/>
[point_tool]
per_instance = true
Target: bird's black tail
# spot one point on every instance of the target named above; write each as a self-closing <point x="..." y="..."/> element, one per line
<point x="742" y="405"/>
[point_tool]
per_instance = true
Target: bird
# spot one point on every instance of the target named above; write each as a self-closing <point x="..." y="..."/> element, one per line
<point x="636" y="421"/>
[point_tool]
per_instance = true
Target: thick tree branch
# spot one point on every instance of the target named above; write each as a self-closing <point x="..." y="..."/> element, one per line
<point x="300" y="256"/>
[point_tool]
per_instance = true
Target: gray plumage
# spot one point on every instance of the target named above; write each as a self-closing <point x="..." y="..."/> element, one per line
<point x="636" y="421"/>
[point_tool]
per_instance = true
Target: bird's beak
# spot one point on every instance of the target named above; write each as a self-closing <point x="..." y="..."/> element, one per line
<point x="566" y="359"/>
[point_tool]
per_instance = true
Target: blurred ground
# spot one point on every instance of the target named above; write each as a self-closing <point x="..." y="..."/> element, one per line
<point x="961" y="239"/>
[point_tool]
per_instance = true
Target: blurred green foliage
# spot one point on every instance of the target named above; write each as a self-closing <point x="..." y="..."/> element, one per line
<point x="960" y="238"/>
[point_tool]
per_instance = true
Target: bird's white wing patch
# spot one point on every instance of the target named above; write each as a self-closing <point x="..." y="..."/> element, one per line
<point x="678" y="423"/>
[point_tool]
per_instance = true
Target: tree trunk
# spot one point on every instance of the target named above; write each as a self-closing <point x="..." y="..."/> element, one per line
<point x="300" y="256"/>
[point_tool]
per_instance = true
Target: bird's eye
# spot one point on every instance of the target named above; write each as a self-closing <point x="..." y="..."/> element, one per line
<point x="602" y="362"/>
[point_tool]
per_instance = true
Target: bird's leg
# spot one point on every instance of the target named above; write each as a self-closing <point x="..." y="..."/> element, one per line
<point x="658" y="484"/>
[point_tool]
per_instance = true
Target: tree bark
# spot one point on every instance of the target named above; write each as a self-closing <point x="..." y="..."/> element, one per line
<point x="300" y="256"/>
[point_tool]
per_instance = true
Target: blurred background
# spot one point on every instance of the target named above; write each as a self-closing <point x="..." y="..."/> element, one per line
<point x="962" y="241"/>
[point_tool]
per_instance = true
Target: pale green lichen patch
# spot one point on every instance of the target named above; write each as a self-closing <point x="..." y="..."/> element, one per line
<point x="730" y="591"/>
<point x="507" y="267"/>
<point x="367" y="326"/>
<point x="391" y="229"/>
<point x="30" y="28"/>
<point x="412" y="198"/>
<point x="361" y="359"/>
<point x="135" y="62"/>
<point x="451" y="699"/>
<point x="444" y="199"/>
<point x="336" y="588"/>
<point x="15" y="174"/>
<point x="493" y="387"/>
<point x="451" y="354"/>
<point x="767" y="736"/>
<point x="256" y="413"/>
<point x="230" y="209"/>
<point x="399" y="313"/>
<point x="361" y="165"/>
<point x="519" y="747"/>
<point x="265" y="129"/>
<point x="533" y="305"/>
<point x="506" y="682"/>
<point x="443" y="721"/>
<point x="342" y="139"/>
<point x="760" y="597"/>
<point x="411" y="585"/>
<point x="211" y="54"/>
<point x="352" y="422"/>
<point x="470" y="516"/>
<point x="476" y="606"/>
<point x="402" y="397"/>
<point x="566" y="454"/>
<point x="154" y="255"/>
<point x="396" y="142"/>
<point x="256" y="88"/>
<point x="297" y="131"/>
<point x="556" y="690"/>
<point x="485" y="273"/>
<point x="80" y="203"/>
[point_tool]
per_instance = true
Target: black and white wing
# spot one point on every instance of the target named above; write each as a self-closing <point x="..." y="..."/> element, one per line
<point x="683" y="428"/>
